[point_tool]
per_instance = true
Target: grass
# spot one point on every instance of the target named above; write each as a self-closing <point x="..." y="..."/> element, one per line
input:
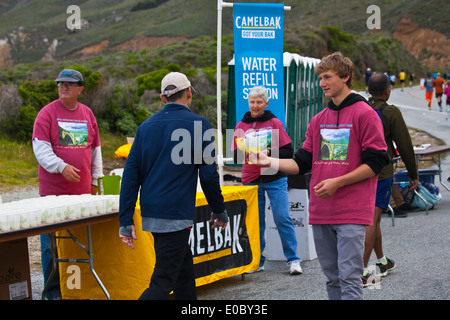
<point x="19" y="167"/>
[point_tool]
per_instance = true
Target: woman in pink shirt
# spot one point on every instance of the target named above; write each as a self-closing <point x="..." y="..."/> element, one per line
<point x="260" y="126"/>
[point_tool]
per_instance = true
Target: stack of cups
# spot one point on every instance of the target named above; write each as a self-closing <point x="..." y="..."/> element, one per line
<point x="50" y="209"/>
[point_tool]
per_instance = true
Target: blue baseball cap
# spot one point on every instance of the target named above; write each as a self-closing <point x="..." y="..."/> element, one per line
<point x="70" y="75"/>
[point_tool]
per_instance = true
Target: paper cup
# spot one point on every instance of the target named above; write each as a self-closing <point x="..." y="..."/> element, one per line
<point x="5" y="224"/>
<point x="33" y="217"/>
<point x="92" y="206"/>
<point x="24" y="219"/>
<point x="115" y="202"/>
<point x="38" y="217"/>
<point x="58" y="210"/>
<point x="101" y="205"/>
<point x="85" y="209"/>
<point x="67" y="212"/>
<point x="15" y="221"/>
<point x="108" y="202"/>
<point x="48" y="214"/>
<point x="76" y="210"/>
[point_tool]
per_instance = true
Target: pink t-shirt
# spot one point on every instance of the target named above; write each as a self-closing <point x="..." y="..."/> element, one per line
<point x="447" y="92"/>
<point x="279" y="138"/>
<point x="73" y="134"/>
<point x="337" y="151"/>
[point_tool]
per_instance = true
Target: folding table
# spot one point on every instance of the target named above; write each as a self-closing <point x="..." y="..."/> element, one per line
<point x="52" y="228"/>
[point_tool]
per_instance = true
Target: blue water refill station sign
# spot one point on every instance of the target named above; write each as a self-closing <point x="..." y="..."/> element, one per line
<point x="258" y="53"/>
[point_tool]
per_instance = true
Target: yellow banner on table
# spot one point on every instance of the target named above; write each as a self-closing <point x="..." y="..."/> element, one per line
<point x="126" y="273"/>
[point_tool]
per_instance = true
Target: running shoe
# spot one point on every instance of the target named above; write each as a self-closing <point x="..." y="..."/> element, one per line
<point x="295" y="268"/>
<point x="384" y="268"/>
<point x="370" y="280"/>
<point x="260" y="268"/>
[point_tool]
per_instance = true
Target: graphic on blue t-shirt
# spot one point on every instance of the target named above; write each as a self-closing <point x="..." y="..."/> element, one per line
<point x="73" y="133"/>
<point x="334" y="144"/>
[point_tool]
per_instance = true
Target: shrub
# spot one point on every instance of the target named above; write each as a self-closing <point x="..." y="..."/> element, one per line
<point x="21" y="127"/>
<point x="152" y="80"/>
<point x="91" y="78"/>
<point x="120" y="98"/>
<point x="337" y="40"/>
<point x="141" y="115"/>
<point x="38" y="94"/>
<point x="149" y="81"/>
<point x="126" y="125"/>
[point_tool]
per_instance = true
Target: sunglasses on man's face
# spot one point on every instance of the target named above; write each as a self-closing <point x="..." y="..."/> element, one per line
<point x="68" y="85"/>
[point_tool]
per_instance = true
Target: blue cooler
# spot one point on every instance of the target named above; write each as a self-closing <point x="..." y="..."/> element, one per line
<point x="425" y="175"/>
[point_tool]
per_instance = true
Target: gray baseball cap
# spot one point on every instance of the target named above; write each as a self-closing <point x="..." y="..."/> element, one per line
<point x="70" y="75"/>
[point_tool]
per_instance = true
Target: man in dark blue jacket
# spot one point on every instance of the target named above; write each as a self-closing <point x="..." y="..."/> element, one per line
<point x="171" y="149"/>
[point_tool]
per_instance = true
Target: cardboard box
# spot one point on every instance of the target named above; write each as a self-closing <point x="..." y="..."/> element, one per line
<point x="298" y="210"/>
<point x="15" y="282"/>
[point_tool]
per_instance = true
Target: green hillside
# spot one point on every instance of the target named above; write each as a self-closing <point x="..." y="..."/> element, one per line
<point x="122" y="86"/>
<point x="38" y="23"/>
